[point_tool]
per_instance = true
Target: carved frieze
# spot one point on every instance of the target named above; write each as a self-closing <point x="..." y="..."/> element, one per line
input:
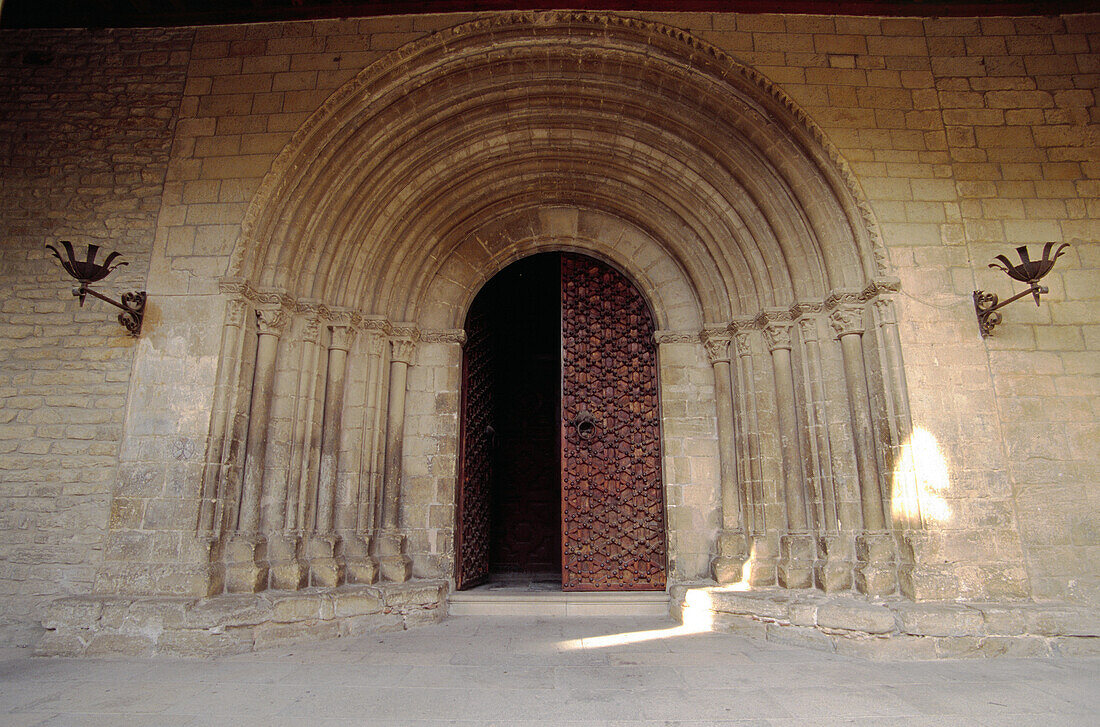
<point x="662" y="337"/>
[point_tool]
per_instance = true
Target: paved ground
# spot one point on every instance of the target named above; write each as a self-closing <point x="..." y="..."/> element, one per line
<point x="476" y="671"/>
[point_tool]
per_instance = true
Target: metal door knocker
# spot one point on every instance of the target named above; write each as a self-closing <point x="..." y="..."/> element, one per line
<point x="585" y="424"/>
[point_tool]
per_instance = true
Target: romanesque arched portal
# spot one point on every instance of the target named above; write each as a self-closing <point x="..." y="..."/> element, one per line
<point x="333" y="440"/>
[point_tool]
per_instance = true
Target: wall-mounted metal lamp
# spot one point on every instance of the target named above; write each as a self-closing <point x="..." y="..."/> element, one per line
<point x="89" y="271"/>
<point x="1028" y="271"/>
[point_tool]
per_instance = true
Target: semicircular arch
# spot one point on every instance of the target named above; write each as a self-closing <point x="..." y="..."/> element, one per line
<point x="630" y="120"/>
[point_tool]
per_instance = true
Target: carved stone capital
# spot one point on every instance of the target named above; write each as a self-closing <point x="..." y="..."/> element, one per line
<point x="375" y="341"/>
<point x="777" y="334"/>
<point x="717" y="345"/>
<point x="807" y="328"/>
<point x="743" y="341"/>
<point x="403" y="349"/>
<point x="884" y="311"/>
<point x="312" y="328"/>
<point x="270" y="321"/>
<point x="342" y="335"/>
<point x="235" y="311"/>
<point x="847" y="320"/>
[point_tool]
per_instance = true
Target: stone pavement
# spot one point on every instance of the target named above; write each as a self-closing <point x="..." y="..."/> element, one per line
<point x="528" y="671"/>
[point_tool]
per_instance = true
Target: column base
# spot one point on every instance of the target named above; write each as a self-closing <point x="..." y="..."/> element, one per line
<point x="833" y="568"/>
<point x="359" y="565"/>
<point x="763" y="559"/>
<point x="246" y="566"/>
<point x="393" y="564"/>
<point x="325" y="569"/>
<point x="876" y="572"/>
<point x="729" y="565"/>
<point x="796" y="561"/>
<point x="288" y="572"/>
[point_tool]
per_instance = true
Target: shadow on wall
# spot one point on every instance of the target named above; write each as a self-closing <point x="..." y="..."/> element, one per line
<point x="921" y="481"/>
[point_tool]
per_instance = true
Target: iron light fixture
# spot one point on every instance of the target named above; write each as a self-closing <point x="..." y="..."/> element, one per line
<point x="88" y="271"/>
<point x="1028" y="271"/>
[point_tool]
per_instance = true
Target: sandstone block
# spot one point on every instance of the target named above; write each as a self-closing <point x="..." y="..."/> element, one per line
<point x="854" y="615"/>
<point x="799" y="636"/>
<point x="356" y="604"/>
<point x="272" y="634"/>
<point x="939" y="619"/>
<point x="959" y="647"/>
<point x="302" y="607"/>
<point x="772" y="605"/>
<point x="413" y="595"/>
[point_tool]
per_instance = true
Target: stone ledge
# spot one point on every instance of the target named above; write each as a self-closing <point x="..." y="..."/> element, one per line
<point x="892" y="628"/>
<point x="145" y="625"/>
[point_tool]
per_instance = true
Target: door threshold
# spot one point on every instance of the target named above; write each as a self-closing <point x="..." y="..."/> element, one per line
<point x="521" y="601"/>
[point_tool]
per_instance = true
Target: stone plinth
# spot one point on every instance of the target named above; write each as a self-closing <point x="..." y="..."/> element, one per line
<point x="231" y="623"/>
<point x="893" y="628"/>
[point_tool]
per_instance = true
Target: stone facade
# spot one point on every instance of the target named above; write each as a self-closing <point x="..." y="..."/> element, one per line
<point x="807" y="219"/>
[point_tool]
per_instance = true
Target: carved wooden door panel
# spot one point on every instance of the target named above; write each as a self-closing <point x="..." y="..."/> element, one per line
<point x="613" y="534"/>
<point x="476" y="455"/>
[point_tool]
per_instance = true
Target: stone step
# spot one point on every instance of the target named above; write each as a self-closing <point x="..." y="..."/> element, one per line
<point x="523" y="602"/>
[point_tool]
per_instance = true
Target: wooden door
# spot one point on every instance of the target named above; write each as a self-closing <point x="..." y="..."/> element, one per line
<point x="613" y="533"/>
<point x="477" y="437"/>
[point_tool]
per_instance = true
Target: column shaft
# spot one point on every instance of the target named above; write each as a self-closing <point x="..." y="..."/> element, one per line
<point x="793" y="489"/>
<point x="330" y="429"/>
<point x="263" y="384"/>
<point x="859" y="401"/>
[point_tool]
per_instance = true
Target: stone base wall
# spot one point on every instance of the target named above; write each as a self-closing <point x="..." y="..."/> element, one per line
<point x="893" y="628"/>
<point x="91" y="625"/>
<point x="87" y="120"/>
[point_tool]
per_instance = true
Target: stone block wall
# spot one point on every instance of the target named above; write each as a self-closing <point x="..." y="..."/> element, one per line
<point x="968" y="137"/>
<point x="86" y="123"/>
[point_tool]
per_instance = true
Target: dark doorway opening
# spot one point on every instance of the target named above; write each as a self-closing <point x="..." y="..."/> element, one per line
<point x="559" y="472"/>
<point x="523" y="309"/>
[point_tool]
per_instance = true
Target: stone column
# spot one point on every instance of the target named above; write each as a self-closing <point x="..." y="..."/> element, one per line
<point x="835" y="550"/>
<point x="390" y="542"/>
<point x="325" y="569"/>
<point x="763" y="554"/>
<point x="796" y="547"/>
<point x="875" y="545"/>
<point x="216" y="463"/>
<point x="897" y="402"/>
<point x="727" y="566"/>
<point x="246" y="565"/>
<point x="288" y="570"/>
<point x="355" y="548"/>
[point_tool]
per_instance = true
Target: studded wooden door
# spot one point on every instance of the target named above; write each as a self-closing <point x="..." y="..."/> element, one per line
<point x="613" y="534"/>
<point x="476" y="456"/>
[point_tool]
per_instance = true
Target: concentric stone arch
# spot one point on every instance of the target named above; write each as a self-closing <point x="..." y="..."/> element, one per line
<point x="631" y="118"/>
<point x="626" y="140"/>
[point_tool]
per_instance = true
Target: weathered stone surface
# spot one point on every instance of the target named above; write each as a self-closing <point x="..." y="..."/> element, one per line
<point x="359" y="602"/>
<point x="992" y="646"/>
<point x="799" y="636"/>
<point x="273" y="634"/>
<point x="300" y="607"/>
<point x="939" y="619"/>
<point x="764" y="605"/>
<point x="412" y="595"/>
<point x="853" y="615"/>
<point x="1061" y="621"/>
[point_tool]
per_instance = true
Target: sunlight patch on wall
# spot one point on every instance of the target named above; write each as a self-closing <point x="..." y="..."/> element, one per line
<point x="922" y="480"/>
